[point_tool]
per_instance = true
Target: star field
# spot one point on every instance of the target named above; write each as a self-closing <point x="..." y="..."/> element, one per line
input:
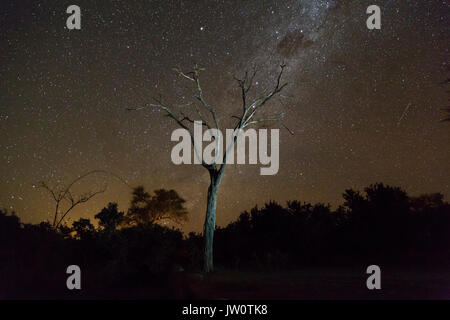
<point x="364" y="104"/>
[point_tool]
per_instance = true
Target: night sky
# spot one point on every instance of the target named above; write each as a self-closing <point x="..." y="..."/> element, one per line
<point x="364" y="104"/>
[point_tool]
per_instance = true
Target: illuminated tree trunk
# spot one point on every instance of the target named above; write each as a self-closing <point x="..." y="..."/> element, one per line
<point x="210" y="220"/>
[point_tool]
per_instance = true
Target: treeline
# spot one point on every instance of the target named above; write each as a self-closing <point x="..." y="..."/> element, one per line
<point x="381" y="225"/>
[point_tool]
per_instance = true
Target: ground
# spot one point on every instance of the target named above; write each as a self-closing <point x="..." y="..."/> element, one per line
<point x="312" y="284"/>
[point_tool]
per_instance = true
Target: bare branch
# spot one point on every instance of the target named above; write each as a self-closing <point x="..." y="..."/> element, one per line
<point x="245" y="119"/>
<point x="258" y="103"/>
<point x="179" y="121"/>
<point x="65" y="194"/>
<point x="192" y="121"/>
<point x="43" y="185"/>
<point x="261" y="120"/>
<point x="248" y="110"/>
<point x="181" y="73"/>
<point x="82" y="199"/>
<point x="245" y="84"/>
<point x="278" y="119"/>
<point x="201" y="117"/>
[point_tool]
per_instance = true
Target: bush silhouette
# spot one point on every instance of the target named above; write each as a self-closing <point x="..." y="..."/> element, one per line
<point x="382" y="224"/>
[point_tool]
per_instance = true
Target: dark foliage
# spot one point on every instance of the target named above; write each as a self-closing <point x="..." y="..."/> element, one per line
<point x="147" y="208"/>
<point x="110" y="217"/>
<point x="382" y="224"/>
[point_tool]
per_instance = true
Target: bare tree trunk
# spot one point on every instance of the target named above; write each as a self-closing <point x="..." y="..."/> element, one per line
<point x="56" y="215"/>
<point x="249" y="110"/>
<point x="210" y="220"/>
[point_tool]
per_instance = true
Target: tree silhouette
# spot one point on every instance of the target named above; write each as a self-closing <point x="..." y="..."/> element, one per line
<point x="427" y="202"/>
<point x="63" y="197"/>
<point x="8" y="222"/>
<point x="376" y="217"/>
<point x="381" y="223"/>
<point x="110" y="217"/>
<point x="250" y="109"/>
<point x="162" y="205"/>
<point x="84" y="228"/>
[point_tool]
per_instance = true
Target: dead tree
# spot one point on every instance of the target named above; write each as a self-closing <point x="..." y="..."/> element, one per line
<point x="248" y="117"/>
<point x="65" y="201"/>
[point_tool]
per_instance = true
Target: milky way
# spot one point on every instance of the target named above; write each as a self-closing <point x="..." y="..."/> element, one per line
<point x="64" y="95"/>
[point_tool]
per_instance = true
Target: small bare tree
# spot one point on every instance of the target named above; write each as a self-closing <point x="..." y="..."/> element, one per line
<point x="250" y="110"/>
<point x="65" y="201"/>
